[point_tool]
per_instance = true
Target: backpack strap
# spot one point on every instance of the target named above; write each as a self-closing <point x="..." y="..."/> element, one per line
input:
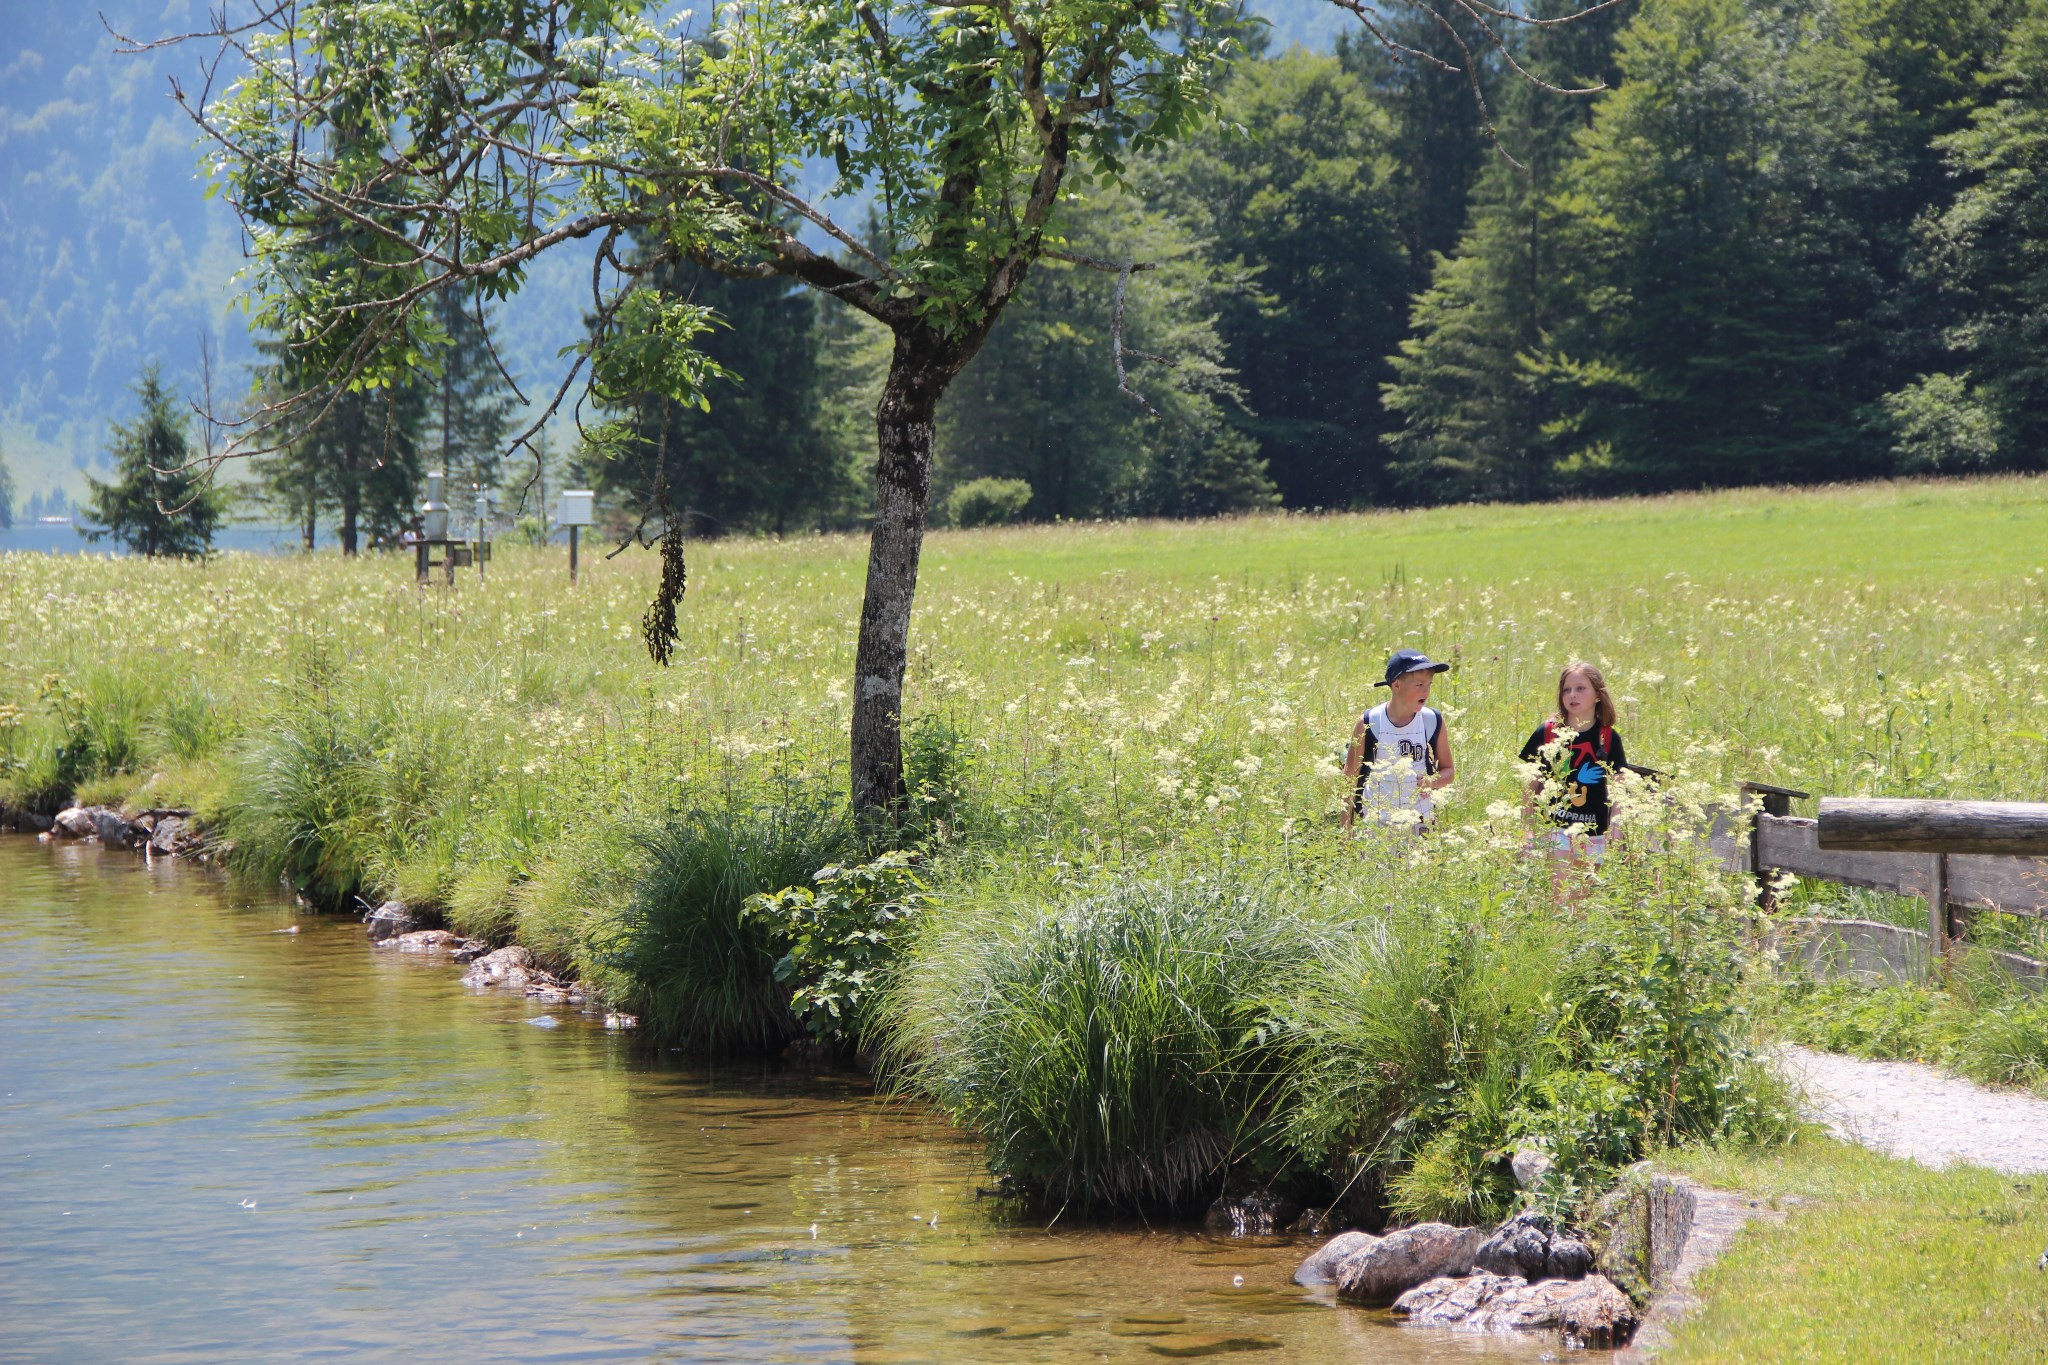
<point x="1368" y="750"/>
<point x="1436" y="725"/>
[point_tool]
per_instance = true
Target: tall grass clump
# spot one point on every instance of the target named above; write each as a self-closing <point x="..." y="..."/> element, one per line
<point x="1107" y="1045"/>
<point x="1472" y="1012"/>
<point x="680" y="950"/>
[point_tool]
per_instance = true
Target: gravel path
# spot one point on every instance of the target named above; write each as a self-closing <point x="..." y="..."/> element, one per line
<point x="1916" y="1112"/>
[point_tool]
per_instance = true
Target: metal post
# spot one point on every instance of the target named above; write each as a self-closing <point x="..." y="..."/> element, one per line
<point x="420" y="560"/>
<point x="572" y="555"/>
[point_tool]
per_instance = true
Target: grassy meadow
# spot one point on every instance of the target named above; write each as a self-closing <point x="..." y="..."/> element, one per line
<point x="1134" y="955"/>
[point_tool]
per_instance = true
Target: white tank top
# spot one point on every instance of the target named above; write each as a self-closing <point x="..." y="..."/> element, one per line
<point x="1401" y="759"/>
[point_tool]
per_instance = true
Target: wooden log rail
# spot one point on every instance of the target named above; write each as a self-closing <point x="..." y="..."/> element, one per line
<point x="1884" y="825"/>
<point x="1958" y="855"/>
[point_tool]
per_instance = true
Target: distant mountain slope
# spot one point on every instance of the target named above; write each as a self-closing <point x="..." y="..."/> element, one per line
<point x="110" y="257"/>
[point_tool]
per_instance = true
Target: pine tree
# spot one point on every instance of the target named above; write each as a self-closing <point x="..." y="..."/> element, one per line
<point x="758" y="457"/>
<point x="469" y="402"/>
<point x="154" y="505"/>
<point x="1293" y="185"/>
<point x="1723" y="269"/>
<point x="1040" y="403"/>
<point x="6" y="495"/>
<point x="1471" y="387"/>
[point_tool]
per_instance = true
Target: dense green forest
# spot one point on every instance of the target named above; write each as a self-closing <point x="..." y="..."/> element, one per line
<point x="1790" y="242"/>
<point x="1771" y="242"/>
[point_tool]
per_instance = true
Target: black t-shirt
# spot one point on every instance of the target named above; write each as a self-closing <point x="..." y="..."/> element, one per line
<point x="1581" y="770"/>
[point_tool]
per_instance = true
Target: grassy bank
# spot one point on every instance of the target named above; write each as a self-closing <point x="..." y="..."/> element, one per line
<point x="1124" y="743"/>
<point x="1877" y="1260"/>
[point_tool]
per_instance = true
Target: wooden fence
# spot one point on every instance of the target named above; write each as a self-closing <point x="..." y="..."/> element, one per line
<point x="1956" y="886"/>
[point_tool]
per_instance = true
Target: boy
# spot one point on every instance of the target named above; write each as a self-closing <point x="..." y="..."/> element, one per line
<point x="1400" y="751"/>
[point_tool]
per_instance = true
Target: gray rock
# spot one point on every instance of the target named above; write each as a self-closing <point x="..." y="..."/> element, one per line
<point x="1379" y="1274"/>
<point x="509" y="968"/>
<point x="1531" y="1164"/>
<point x="114" y="829"/>
<point x="1452" y="1300"/>
<point x="469" y="950"/>
<point x="1588" y="1312"/>
<point x="1252" y="1215"/>
<point x="172" y="835"/>
<point x="75" y="822"/>
<point x="1313" y="1223"/>
<point x="1597" y="1313"/>
<point x="1321" y="1265"/>
<point x="423" y="941"/>
<point x="1529" y="1246"/>
<point x="390" y="920"/>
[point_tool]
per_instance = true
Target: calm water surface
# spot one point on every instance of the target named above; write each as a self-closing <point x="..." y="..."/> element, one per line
<point x="219" y="1141"/>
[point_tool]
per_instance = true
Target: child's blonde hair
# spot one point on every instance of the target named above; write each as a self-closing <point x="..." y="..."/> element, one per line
<point x="1603" y="701"/>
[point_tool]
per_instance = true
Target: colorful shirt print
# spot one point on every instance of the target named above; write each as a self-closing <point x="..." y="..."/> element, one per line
<point x="1581" y="765"/>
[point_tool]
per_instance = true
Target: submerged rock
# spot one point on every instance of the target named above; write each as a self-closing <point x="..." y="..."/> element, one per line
<point x="115" y="829"/>
<point x="1528" y="1245"/>
<point x="390" y="920"/>
<point x="1252" y="1215"/>
<point x="1589" y="1312"/>
<point x="509" y="968"/>
<point x="1378" y="1274"/>
<point x="1321" y="1265"/>
<point x="423" y="941"/>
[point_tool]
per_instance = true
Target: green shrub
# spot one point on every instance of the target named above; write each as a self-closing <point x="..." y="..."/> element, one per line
<point x="987" y="502"/>
<point x="840" y="940"/>
<point x="1469" y="1013"/>
<point x="682" y="953"/>
<point x="1106" y="1047"/>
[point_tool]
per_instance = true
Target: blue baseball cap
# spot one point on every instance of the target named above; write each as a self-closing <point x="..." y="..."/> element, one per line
<point x="1406" y="661"/>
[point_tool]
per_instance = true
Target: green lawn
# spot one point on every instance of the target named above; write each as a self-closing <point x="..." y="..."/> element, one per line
<point x="1877" y="1260"/>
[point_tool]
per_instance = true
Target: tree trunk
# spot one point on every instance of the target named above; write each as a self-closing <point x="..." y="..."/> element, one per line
<point x="349" y="499"/>
<point x="919" y="371"/>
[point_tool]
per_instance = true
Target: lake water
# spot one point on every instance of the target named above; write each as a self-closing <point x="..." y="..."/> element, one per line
<point x="220" y="1141"/>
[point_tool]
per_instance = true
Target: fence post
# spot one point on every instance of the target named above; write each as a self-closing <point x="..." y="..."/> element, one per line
<point x="1939" y="927"/>
<point x="1774" y="801"/>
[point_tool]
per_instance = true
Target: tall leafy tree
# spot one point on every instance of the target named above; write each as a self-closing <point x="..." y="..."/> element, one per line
<point x="1991" y="255"/>
<point x="159" y="502"/>
<point x="517" y="126"/>
<point x="1723" y="272"/>
<point x="1294" y="186"/>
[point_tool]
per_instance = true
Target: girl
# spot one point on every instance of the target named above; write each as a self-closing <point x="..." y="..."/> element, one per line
<point x="1399" y="751"/>
<point x="1579" y="756"/>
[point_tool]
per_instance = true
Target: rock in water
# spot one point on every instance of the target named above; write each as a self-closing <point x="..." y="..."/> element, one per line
<point x="1597" y="1314"/>
<point x="172" y="835"/>
<point x="423" y="941"/>
<point x="1589" y="1312"/>
<point x="1313" y="1223"/>
<point x="74" y="822"/>
<point x="511" y="968"/>
<point x="389" y="920"/>
<point x="1321" y="1266"/>
<point x="1252" y="1215"/>
<point x="114" y="829"/>
<point x="1378" y="1274"/>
